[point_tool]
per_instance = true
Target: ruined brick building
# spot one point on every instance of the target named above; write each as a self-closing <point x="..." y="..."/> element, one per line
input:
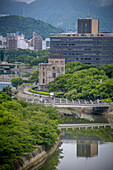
<point x="48" y="71"/>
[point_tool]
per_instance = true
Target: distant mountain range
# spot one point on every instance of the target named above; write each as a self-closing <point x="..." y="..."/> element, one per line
<point x="63" y="13"/>
<point x="26" y="26"/>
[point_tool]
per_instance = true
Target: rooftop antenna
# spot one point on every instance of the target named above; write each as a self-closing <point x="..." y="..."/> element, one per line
<point x="87" y="13"/>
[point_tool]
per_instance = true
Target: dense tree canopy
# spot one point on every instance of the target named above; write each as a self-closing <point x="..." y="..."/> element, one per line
<point x="25" y="56"/>
<point x="108" y="68"/>
<point x="23" y="125"/>
<point x="7" y="90"/>
<point x="84" y="81"/>
<point x="16" y="82"/>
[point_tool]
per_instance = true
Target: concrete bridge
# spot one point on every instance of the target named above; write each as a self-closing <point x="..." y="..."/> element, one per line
<point x="60" y="103"/>
<point x="79" y="126"/>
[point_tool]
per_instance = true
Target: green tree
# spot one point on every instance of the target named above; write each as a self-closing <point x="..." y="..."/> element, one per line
<point x="34" y="77"/>
<point x="23" y="125"/>
<point x="16" y="82"/>
<point x="72" y="67"/>
<point x="4" y="97"/>
<point x="104" y="89"/>
<point x="108" y="69"/>
<point x="2" y="55"/>
<point x="43" y="52"/>
<point x="59" y="83"/>
<point x="7" y="90"/>
<point x="28" y="59"/>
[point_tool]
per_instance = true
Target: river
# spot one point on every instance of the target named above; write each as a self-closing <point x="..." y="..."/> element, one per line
<point x="4" y="84"/>
<point x="81" y="153"/>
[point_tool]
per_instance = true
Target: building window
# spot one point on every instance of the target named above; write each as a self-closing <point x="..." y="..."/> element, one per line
<point x="54" y="75"/>
<point x="62" y="68"/>
<point x="53" y="67"/>
<point x="62" y="62"/>
<point x="43" y="80"/>
<point x="56" y="62"/>
<point x="43" y="73"/>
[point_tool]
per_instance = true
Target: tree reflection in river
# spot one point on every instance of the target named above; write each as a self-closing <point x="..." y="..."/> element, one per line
<point x="52" y="161"/>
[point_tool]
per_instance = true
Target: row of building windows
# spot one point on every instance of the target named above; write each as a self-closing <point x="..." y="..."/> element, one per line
<point x="97" y="58"/>
<point x="81" y="38"/>
<point x="57" y="62"/>
<point x="86" y="49"/>
<point x="88" y="53"/>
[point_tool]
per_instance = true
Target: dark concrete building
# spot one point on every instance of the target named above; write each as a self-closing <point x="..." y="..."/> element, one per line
<point x="11" y="41"/>
<point x="87" y="48"/>
<point x="88" y="26"/>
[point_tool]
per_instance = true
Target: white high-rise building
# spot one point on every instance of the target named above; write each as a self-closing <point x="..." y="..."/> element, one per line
<point x="2" y="42"/>
<point x="21" y="43"/>
<point x="46" y="44"/>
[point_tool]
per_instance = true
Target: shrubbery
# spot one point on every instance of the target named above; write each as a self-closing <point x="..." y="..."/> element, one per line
<point x="38" y="92"/>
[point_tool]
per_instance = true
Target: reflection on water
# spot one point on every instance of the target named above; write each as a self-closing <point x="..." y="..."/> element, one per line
<point x="52" y="161"/>
<point x="87" y="148"/>
<point x="83" y="152"/>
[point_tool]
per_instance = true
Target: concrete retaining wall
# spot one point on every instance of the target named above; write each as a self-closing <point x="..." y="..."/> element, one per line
<point x="35" y="158"/>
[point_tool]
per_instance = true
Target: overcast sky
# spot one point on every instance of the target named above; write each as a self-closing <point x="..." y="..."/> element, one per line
<point x="96" y="2"/>
<point x="28" y="1"/>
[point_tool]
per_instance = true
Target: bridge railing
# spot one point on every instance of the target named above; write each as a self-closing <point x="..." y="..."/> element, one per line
<point x="61" y="101"/>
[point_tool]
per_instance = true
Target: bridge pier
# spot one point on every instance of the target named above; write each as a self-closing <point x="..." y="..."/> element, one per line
<point x="73" y="101"/>
<point x="66" y="101"/>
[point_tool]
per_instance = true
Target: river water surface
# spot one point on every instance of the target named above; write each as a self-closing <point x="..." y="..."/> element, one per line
<point x="83" y="153"/>
<point x="4" y="84"/>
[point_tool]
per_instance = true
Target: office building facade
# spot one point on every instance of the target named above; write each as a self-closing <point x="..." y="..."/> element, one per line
<point x="94" y="49"/>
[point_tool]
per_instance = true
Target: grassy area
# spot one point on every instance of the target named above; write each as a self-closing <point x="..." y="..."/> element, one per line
<point x="38" y="92"/>
<point x="35" y="90"/>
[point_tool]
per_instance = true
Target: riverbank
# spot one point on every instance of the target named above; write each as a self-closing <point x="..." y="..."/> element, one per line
<point x="35" y="158"/>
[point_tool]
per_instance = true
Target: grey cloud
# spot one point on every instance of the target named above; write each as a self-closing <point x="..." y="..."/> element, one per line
<point x="27" y="1"/>
<point x="103" y="2"/>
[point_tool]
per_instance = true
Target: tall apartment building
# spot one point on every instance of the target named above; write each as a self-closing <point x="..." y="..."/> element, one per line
<point x="37" y="42"/>
<point x="11" y="41"/>
<point x="48" y="71"/>
<point x="88" y="25"/>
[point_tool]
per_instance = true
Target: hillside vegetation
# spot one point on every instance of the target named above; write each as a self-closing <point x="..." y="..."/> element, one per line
<point x="26" y="26"/>
<point x="63" y="13"/>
